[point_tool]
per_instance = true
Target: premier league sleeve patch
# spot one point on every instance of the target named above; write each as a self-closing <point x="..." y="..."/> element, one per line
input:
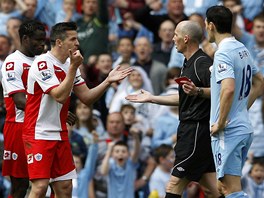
<point x="45" y="75"/>
<point x="222" y="67"/>
<point x="11" y="76"/>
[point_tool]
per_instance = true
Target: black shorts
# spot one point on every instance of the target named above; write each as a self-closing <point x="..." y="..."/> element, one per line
<point x="193" y="151"/>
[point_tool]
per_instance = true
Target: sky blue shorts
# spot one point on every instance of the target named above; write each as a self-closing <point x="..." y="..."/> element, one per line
<point x="230" y="154"/>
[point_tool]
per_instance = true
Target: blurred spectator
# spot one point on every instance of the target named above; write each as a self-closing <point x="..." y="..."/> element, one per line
<point x="162" y="50"/>
<point x="129" y="28"/>
<point x="13" y="25"/>
<point x="114" y="128"/>
<point x="120" y="167"/>
<point x="68" y="13"/>
<point x="31" y="6"/>
<point x="152" y="22"/>
<point x="164" y="157"/>
<point x="95" y="74"/>
<point x="85" y="169"/>
<point x="125" y="49"/>
<point x="93" y="28"/>
<point x="253" y="178"/>
<point x="85" y="125"/>
<point x="155" y="70"/>
<point x="136" y="81"/>
<point x="236" y="7"/>
<point x="7" y="10"/>
<point x="46" y="11"/>
<point x="198" y="6"/>
<point x="250" y="10"/>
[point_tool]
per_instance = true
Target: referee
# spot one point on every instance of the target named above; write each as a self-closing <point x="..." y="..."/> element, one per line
<point x="194" y="159"/>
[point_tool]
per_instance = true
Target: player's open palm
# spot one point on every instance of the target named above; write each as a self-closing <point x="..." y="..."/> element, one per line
<point x="118" y="74"/>
<point x="76" y="58"/>
<point x="143" y="96"/>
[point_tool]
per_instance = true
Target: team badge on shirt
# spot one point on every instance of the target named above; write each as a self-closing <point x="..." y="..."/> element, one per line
<point x="222" y="67"/>
<point x="38" y="157"/>
<point x="14" y="156"/>
<point x="46" y="75"/>
<point x="10" y="66"/>
<point x="42" y="65"/>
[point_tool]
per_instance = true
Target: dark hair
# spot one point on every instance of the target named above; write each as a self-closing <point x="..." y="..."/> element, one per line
<point x="89" y="123"/>
<point x="30" y="27"/>
<point x="58" y="31"/>
<point x="162" y="151"/>
<point x="121" y="143"/>
<point x="129" y="106"/>
<point x="221" y="17"/>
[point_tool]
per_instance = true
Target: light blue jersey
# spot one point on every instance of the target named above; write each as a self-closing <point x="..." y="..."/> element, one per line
<point x="233" y="60"/>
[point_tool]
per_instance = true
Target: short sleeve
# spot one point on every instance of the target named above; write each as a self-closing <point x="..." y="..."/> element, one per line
<point x="223" y="67"/>
<point x="12" y="77"/>
<point x="78" y="78"/>
<point x="43" y="72"/>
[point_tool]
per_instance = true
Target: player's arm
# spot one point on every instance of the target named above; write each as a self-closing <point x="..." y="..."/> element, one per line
<point x="226" y="98"/>
<point x="62" y="92"/>
<point x="256" y="89"/>
<point x="19" y="99"/>
<point x="145" y="96"/>
<point x="89" y="96"/>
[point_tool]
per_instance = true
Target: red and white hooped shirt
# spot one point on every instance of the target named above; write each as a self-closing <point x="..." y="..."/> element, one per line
<point x="14" y="79"/>
<point x="45" y="118"/>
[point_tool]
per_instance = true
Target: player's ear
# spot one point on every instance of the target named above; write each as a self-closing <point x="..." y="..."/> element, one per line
<point x="58" y="43"/>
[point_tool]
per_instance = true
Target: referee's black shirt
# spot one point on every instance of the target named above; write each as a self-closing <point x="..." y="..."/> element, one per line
<point x="195" y="108"/>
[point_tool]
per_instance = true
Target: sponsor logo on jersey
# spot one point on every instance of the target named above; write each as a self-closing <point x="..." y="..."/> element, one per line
<point x="10" y="66"/>
<point x="14" y="156"/>
<point x="30" y="158"/>
<point x="222" y="67"/>
<point x="10" y="76"/>
<point x="46" y="75"/>
<point x="38" y="157"/>
<point x="42" y="65"/>
<point x="7" y="155"/>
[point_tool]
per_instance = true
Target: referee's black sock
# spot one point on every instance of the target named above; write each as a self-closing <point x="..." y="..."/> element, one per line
<point x="170" y="195"/>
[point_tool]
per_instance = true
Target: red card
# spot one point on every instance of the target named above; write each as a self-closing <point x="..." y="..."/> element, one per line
<point x="181" y="80"/>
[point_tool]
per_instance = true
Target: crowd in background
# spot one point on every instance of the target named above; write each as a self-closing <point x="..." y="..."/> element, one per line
<point x="138" y="34"/>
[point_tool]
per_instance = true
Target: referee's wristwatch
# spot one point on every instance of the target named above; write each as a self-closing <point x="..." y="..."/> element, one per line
<point x="200" y="91"/>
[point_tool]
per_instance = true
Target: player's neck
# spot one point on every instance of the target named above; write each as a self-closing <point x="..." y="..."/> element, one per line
<point x="58" y="55"/>
<point x="220" y="37"/>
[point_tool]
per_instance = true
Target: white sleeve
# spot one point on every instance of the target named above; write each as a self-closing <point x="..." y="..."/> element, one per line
<point x="78" y="78"/>
<point x="43" y="72"/>
<point x="12" y="77"/>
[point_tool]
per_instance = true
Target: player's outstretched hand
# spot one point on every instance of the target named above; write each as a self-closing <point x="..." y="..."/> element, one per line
<point x="76" y="58"/>
<point x="118" y="74"/>
<point x="143" y="96"/>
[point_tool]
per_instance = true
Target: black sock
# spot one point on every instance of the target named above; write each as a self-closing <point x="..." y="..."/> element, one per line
<point x="170" y="195"/>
